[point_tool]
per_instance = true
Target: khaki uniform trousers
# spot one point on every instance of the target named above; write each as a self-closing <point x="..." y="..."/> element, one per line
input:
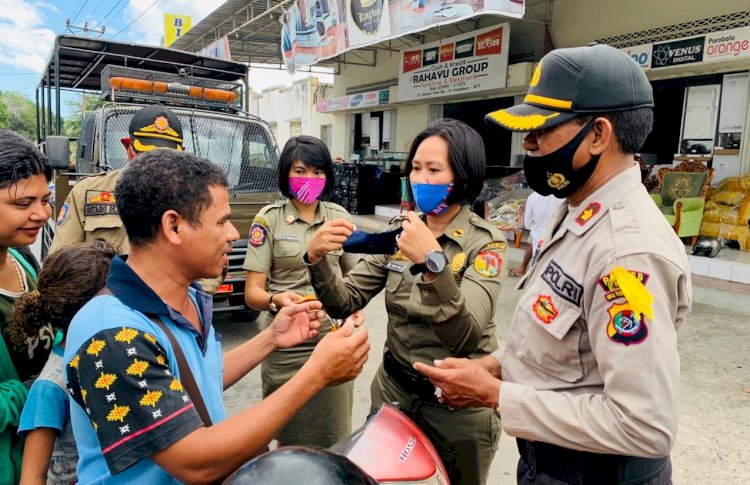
<point x="466" y="439"/>
<point x="326" y="419"/>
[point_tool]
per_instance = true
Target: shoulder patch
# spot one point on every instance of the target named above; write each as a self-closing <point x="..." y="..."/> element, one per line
<point x="63" y="213"/>
<point x="257" y="236"/>
<point x="488" y="263"/>
<point x="612" y="291"/>
<point x="501" y="246"/>
<point x="262" y="221"/>
<point x="624" y="326"/>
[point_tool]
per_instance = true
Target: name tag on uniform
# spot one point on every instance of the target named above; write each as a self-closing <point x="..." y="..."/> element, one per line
<point x="99" y="209"/>
<point x="393" y="266"/>
<point x="287" y="238"/>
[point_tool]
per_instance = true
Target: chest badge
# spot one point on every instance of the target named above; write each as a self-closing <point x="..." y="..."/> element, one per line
<point x="458" y="233"/>
<point x="545" y="309"/>
<point x="458" y="262"/>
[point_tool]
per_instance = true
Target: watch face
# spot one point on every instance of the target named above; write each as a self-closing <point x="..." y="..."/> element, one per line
<point x="436" y="262"/>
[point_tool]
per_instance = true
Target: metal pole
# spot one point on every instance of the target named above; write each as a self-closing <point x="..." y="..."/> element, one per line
<point x="38" y="128"/>
<point x="58" y="122"/>
<point x="49" y="104"/>
<point x="44" y="111"/>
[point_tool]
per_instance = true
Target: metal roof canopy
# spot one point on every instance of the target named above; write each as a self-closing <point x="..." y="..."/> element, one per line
<point x="76" y="63"/>
<point x="253" y="30"/>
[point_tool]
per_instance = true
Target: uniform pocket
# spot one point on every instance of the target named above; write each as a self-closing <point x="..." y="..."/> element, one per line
<point x="551" y="340"/>
<point x="109" y="221"/>
<point x="393" y="281"/>
<point x="283" y="249"/>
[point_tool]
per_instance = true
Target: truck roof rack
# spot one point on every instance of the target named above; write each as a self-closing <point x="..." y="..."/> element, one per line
<point x="76" y="63"/>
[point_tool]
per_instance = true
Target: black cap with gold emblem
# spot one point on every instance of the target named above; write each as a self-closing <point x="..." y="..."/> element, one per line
<point x="153" y="127"/>
<point x="567" y="82"/>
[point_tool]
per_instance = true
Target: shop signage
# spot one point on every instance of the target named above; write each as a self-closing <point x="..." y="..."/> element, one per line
<point x="467" y="63"/>
<point x="640" y="54"/>
<point x="314" y="30"/>
<point x="727" y="45"/>
<point x="678" y="52"/>
<point x="353" y="101"/>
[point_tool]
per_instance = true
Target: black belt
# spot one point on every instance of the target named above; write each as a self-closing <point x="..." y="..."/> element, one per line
<point x="581" y="467"/>
<point x="410" y="380"/>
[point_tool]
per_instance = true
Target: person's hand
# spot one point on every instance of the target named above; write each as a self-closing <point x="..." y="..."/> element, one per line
<point x="358" y="318"/>
<point x="340" y="356"/>
<point x="286" y="298"/>
<point x="463" y="383"/>
<point x="416" y="238"/>
<point x="296" y="323"/>
<point x="330" y="237"/>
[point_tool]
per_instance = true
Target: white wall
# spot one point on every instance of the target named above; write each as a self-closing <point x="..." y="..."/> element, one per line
<point x="578" y="22"/>
<point x="282" y="104"/>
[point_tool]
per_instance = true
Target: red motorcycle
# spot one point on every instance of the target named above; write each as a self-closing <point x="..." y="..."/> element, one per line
<point x="388" y="449"/>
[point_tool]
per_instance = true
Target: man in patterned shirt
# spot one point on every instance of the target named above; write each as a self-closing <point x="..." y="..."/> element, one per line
<point x="131" y="416"/>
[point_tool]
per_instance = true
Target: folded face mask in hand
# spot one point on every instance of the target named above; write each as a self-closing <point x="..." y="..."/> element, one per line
<point x="368" y="243"/>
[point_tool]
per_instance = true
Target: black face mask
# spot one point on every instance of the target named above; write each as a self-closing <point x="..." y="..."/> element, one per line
<point x="553" y="174"/>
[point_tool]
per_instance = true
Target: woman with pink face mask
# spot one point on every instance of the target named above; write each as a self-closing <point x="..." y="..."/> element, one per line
<point x="276" y="277"/>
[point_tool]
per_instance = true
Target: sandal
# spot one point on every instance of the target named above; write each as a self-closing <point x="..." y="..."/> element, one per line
<point x="514" y="274"/>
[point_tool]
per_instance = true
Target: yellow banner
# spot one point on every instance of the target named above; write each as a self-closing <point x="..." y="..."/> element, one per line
<point x="175" y="26"/>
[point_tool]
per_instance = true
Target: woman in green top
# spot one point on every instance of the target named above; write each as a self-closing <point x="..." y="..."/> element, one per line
<point x="276" y="277"/>
<point x="24" y="209"/>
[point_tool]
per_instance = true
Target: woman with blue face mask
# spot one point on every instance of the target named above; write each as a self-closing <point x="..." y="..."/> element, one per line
<point x="276" y="277"/>
<point x="441" y="288"/>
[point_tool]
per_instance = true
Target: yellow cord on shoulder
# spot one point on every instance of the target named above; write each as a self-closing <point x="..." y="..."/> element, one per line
<point x="635" y="292"/>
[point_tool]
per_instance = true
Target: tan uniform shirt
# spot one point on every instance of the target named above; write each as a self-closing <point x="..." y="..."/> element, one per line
<point x="450" y="316"/>
<point x="278" y="241"/>
<point x="90" y="212"/>
<point x="580" y="369"/>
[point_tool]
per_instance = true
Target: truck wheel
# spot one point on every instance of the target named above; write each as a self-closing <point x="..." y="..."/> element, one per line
<point x="244" y="316"/>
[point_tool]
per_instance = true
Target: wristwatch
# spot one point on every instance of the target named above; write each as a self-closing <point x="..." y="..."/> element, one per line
<point x="271" y="305"/>
<point x="434" y="262"/>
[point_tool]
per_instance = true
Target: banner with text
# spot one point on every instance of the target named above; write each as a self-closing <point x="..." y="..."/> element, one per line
<point x="314" y="30"/>
<point x="717" y="46"/>
<point x="353" y="101"/>
<point x="175" y="26"/>
<point x="472" y="62"/>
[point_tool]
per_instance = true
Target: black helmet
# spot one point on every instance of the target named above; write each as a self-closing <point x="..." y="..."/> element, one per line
<point x="708" y="246"/>
<point x="292" y="465"/>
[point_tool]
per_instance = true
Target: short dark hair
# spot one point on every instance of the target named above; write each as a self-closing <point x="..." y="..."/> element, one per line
<point x="20" y="159"/>
<point x="465" y="153"/>
<point x="310" y="151"/>
<point x="161" y="180"/>
<point x="631" y="127"/>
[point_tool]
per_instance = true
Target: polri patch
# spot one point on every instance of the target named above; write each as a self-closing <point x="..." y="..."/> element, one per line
<point x="257" y="235"/>
<point x="488" y="263"/>
<point x="612" y="291"/>
<point x="588" y="213"/>
<point x="562" y="284"/>
<point x="63" y="214"/>
<point x="544" y="309"/>
<point x="100" y="197"/>
<point x="501" y="246"/>
<point x="625" y="327"/>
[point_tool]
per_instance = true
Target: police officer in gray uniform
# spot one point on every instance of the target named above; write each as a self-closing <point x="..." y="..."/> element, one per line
<point x="588" y="381"/>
